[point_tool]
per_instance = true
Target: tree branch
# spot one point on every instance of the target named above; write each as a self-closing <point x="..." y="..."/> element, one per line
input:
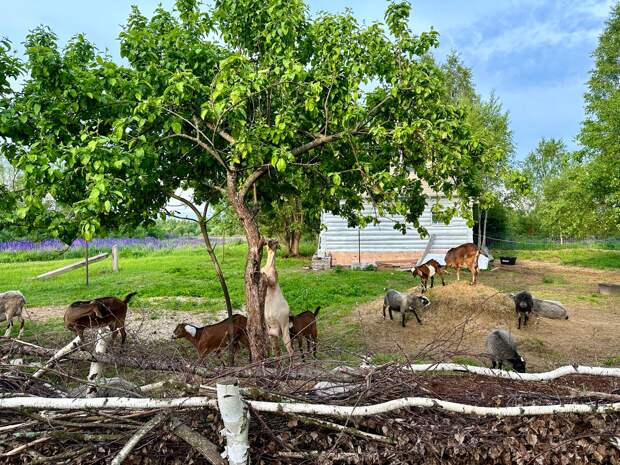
<point x="251" y="180"/>
<point x="202" y="144"/>
<point x="223" y="134"/>
<point x="193" y="207"/>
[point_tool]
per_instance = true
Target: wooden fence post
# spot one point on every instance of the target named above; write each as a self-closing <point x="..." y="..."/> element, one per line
<point x="236" y="418"/>
<point x="115" y="258"/>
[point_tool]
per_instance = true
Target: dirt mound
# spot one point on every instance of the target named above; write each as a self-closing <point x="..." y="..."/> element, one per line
<point x="456" y="322"/>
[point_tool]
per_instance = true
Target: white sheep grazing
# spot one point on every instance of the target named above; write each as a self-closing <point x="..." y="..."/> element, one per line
<point x="276" y="308"/>
<point x="12" y="304"/>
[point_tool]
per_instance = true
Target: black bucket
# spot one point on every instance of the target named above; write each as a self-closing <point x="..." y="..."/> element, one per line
<point x="508" y="260"/>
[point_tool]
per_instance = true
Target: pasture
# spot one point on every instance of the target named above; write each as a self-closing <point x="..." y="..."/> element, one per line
<point x="179" y="285"/>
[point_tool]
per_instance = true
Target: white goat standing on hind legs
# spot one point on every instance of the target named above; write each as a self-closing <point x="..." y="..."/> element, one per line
<point x="276" y="308"/>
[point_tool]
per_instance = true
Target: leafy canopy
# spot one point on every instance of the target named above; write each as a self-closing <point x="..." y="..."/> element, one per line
<point x="215" y="100"/>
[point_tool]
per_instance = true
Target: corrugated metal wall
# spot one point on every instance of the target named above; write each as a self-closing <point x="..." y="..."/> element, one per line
<point x="384" y="238"/>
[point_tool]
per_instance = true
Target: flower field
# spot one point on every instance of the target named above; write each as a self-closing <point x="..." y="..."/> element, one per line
<point x="25" y="250"/>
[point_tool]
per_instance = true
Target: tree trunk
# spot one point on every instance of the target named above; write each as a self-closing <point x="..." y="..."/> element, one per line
<point x="224" y="286"/>
<point x="479" y="241"/>
<point x="254" y="292"/>
<point x="295" y="243"/>
<point x="484" y="233"/>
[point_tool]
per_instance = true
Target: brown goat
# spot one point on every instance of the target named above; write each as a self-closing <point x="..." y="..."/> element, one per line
<point x="303" y="326"/>
<point x="428" y="270"/>
<point x="104" y="311"/>
<point x="214" y="338"/>
<point x="465" y="255"/>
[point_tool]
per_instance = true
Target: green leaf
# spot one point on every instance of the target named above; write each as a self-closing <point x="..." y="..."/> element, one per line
<point x="176" y="127"/>
<point x="36" y="108"/>
<point x="281" y="164"/>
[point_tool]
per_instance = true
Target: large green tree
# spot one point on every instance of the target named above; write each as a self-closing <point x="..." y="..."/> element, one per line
<point x="600" y="132"/>
<point x="548" y="160"/>
<point x="246" y="95"/>
<point x="490" y="124"/>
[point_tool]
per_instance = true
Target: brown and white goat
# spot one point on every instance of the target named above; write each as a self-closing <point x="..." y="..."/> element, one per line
<point x="12" y="305"/>
<point x="104" y="311"/>
<point x="426" y="271"/>
<point x="465" y="255"/>
<point x="277" y="311"/>
<point x="303" y="326"/>
<point x="214" y="338"/>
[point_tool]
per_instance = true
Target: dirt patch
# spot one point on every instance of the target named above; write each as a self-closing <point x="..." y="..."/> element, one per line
<point x="461" y="316"/>
<point x="141" y="323"/>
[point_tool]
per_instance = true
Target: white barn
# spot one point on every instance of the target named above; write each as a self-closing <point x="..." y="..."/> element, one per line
<point x="383" y="243"/>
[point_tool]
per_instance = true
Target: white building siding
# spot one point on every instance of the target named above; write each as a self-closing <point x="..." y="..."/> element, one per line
<point x="382" y="237"/>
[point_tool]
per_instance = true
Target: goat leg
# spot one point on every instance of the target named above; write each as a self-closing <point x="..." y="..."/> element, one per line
<point x="416" y="316"/>
<point x="9" y="327"/>
<point x="402" y="320"/>
<point x="21" y="326"/>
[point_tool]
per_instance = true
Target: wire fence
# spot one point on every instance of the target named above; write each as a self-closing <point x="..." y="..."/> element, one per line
<point x="538" y="243"/>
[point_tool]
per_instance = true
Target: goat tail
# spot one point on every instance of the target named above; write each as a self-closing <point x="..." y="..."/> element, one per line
<point x="316" y="312"/>
<point x="129" y="296"/>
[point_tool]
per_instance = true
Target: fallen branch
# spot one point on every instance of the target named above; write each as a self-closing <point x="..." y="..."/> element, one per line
<point x="334" y="456"/>
<point x="197" y="441"/>
<point x="19" y="449"/>
<point x="135" y="439"/>
<point x="345" y="429"/>
<point x="96" y="368"/>
<point x="301" y="408"/>
<point x="545" y="376"/>
<point x="72" y="346"/>
<point x="61" y="403"/>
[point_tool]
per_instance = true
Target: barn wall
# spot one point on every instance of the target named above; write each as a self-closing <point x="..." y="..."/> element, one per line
<point x="382" y="242"/>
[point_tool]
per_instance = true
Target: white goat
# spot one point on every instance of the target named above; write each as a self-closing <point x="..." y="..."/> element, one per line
<point x="276" y="308"/>
<point x="12" y="304"/>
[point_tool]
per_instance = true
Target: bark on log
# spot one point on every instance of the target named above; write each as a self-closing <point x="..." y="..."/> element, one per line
<point x="96" y="368"/>
<point x="72" y="346"/>
<point x="135" y="439"/>
<point x="197" y="441"/>
<point x="236" y="418"/>
<point x="300" y="408"/>
<point x="544" y="376"/>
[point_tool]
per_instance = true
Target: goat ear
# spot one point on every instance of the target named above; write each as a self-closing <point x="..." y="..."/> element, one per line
<point x="191" y="330"/>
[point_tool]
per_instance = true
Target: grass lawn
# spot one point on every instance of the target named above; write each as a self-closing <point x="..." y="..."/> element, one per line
<point x="183" y="279"/>
<point x="588" y="257"/>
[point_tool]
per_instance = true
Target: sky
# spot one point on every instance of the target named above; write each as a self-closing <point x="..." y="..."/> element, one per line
<point x="534" y="55"/>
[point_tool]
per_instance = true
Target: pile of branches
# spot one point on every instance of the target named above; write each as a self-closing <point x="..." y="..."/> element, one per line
<point x="192" y="435"/>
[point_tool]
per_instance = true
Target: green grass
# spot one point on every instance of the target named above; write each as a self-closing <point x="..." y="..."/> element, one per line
<point x="587" y="257"/>
<point x="183" y="279"/>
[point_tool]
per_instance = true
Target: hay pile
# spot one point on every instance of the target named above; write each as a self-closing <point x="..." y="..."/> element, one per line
<point x="460" y="316"/>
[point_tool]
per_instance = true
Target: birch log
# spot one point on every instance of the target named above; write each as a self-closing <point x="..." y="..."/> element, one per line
<point x="239" y="422"/>
<point x="72" y="346"/>
<point x="197" y="441"/>
<point x="236" y="418"/>
<point x="96" y="368"/>
<point x="135" y="439"/>
<point x="545" y="376"/>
